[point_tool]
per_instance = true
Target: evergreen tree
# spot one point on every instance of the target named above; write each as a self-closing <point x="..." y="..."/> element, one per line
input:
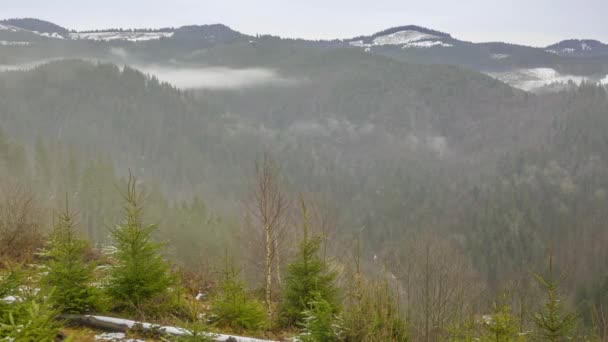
<point x="232" y="306"/>
<point x="501" y="326"/>
<point x="25" y="315"/>
<point x="553" y="322"/>
<point x="141" y="273"/>
<point x="68" y="274"/>
<point x="309" y="279"/>
<point x="321" y="324"/>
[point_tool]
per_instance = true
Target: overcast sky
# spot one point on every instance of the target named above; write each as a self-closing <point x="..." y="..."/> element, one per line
<point x="531" y="22"/>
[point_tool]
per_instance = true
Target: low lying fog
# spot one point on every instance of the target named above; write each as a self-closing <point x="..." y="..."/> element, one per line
<point x="218" y="78"/>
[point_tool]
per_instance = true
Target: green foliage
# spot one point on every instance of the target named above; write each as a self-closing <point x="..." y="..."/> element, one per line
<point x="9" y="283"/>
<point x="233" y="308"/>
<point x="321" y="323"/>
<point x="373" y="315"/>
<point x="371" y="312"/>
<point x="463" y="331"/>
<point x="500" y="326"/>
<point x="554" y="323"/>
<point x="308" y="279"/>
<point x="199" y="333"/>
<point x="67" y="272"/>
<point x="141" y="273"/>
<point x="28" y="321"/>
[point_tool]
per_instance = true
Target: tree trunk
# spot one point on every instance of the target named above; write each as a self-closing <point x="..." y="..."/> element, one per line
<point x="268" y="273"/>
<point x="278" y="262"/>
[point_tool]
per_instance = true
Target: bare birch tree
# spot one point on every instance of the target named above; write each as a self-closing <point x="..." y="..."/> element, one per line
<point x="268" y="210"/>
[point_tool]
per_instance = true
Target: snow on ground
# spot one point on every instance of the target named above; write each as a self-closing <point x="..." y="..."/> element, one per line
<point x="175" y="331"/>
<point x="8" y="28"/>
<point x="530" y="79"/>
<point x="115" y="337"/>
<point x="405" y="38"/>
<point x="10" y="299"/>
<point x="585" y="47"/>
<point x="426" y="44"/>
<point x="402" y="37"/>
<point x="604" y="81"/>
<point x="133" y="36"/>
<point x="49" y="35"/>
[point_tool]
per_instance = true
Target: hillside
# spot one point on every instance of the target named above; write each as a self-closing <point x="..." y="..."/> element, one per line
<point x="405" y="164"/>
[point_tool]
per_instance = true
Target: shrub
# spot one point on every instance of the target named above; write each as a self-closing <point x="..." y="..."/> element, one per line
<point x="373" y="315"/>
<point x="37" y="324"/>
<point x="26" y="320"/>
<point x="232" y="306"/>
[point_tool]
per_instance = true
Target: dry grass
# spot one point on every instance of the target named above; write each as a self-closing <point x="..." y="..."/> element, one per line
<point x="20" y="228"/>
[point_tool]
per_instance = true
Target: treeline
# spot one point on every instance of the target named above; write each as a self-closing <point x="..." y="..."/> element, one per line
<point x="483" y="175"/>
<point x="302" y="290"/>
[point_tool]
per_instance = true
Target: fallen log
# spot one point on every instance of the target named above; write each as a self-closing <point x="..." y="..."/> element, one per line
<point x="114" y="324"/>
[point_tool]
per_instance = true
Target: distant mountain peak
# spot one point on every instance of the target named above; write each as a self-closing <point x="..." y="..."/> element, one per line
<point x="415" y="28"/>
<point x="579" y="47"/>
<point x="409" y="36"/>
<point x="38" y="26"/>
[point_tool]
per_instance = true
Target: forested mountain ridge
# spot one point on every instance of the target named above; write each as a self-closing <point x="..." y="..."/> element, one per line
<point x="525" y="67"/>
<point x="447" y="177"/>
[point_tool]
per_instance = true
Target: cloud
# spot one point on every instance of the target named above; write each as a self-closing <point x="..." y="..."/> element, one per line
<point x="217" y="78"/>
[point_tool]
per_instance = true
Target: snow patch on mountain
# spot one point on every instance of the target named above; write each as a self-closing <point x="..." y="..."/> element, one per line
<point x="426" y="44"/>
<point x="405" y="38"/>
<point x="534" y="78"/>
<point x="8" y="28"/>
<point x="132" y="36"/>
<point x="49" y="35"/>
<point x="585" y="47"/>
<point x="402" y="37"/>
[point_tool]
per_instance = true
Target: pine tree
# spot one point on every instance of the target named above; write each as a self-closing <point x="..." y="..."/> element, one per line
<point x="68" y="274"/>
<point x="233" y="307"/>
<point x="309" y="279"/>
<point x="321" y="323"/>
<point x="141" y="272"/>
<point x="25" y="316"/>
<point x="553" y="322"/>
<point x="501" y="326"/>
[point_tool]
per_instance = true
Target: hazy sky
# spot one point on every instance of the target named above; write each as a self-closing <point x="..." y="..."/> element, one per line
<point x="533" y="22"/>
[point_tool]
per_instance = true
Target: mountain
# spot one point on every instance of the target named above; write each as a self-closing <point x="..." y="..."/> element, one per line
<point x="37" y="26"/>
<point x="404" y="37"/>
<point x="525" y="67"/>
<point x="407" y="132"/>
<point x="579" y="48"/>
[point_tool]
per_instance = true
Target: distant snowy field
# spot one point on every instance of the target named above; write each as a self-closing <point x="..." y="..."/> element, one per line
<point x="132" y="36"/>
<point x="405" y="38"/>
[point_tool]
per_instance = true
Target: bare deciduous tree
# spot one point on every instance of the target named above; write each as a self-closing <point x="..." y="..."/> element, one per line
<point x="20" y="229"/>
<point x="268" y="209"/>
